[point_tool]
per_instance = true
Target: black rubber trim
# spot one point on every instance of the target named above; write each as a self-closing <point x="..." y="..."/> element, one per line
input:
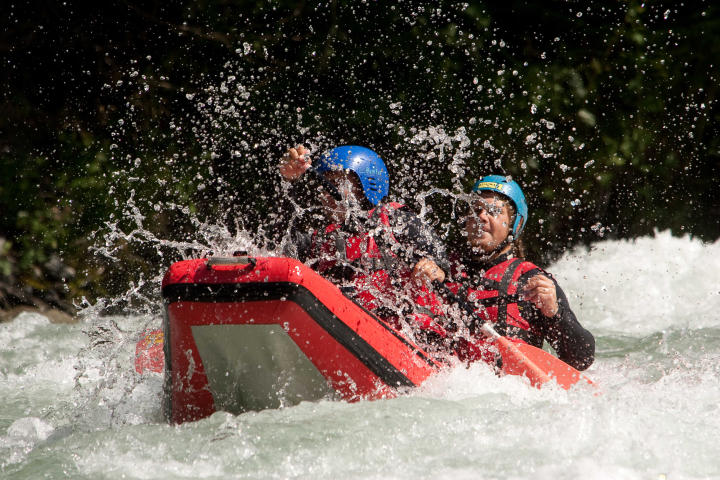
<point x="346" y="292"/>
<point x="249" y="292"/>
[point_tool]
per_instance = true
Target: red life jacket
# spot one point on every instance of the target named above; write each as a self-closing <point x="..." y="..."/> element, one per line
<point x="370" y="281"/>
<point x="499" y="298"/>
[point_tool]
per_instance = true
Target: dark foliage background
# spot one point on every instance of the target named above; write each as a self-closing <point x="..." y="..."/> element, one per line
<point x="176" y="112"/>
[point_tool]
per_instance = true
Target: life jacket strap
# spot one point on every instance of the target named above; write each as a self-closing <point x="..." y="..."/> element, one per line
<point x="504" y="296"/>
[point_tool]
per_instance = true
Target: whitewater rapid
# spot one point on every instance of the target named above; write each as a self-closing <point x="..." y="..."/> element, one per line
<point x="73" y="406"/>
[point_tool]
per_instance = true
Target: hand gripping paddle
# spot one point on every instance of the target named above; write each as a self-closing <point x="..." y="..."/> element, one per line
<point x="518" y="358"/>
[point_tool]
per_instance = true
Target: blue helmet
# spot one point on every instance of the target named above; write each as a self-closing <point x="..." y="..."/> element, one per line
<point x="366" y="164"/>
<point x="511" y="189"/>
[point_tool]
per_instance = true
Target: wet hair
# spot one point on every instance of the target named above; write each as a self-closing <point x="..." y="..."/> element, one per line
<point x="517" y="246"/>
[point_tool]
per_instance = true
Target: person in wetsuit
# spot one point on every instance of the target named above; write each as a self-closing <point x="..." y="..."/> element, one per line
<point x="357" y="240"/>
<point x="523" y="301"/>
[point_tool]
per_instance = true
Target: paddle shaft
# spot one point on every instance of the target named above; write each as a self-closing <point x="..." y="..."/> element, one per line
<point x="536" y="364"/>
<point x="462" y="303"/>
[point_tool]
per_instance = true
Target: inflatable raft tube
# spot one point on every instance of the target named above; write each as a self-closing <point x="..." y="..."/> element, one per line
<point x="249" y="333"/>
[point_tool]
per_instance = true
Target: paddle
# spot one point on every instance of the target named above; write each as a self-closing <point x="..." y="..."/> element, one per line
<point x="536" y="364"/>
<point x="518" y="358"/>
<point x="149" y="354"/>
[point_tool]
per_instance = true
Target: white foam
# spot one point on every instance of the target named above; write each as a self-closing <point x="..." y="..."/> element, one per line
<point x="29" y="429"/>
<point x="644" y="285"/>
<point x="20" y="439"/>
<point x="656" y="413"/>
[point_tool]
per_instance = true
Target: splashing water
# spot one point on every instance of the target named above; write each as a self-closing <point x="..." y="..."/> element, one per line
<point x="75" y="407"/>
<point x="658" y="335"/>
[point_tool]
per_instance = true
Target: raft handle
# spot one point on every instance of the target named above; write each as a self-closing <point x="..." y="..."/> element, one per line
<point x="237" y="260"/>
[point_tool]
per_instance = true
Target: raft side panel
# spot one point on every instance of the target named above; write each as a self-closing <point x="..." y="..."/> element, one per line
<point x="353" y="340"/>
<point x="359" y="355"/>
<point x="255" y="367"/>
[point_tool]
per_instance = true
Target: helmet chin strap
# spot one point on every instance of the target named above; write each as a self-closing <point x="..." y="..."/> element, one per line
<point x="495" y="251"/>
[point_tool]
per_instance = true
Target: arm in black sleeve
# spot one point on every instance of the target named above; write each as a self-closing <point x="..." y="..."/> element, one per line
<point x="299" y="246"/>
<point x="418" y="238"/>
<point x="290" y="224"/>
<point x="574" y="344"/>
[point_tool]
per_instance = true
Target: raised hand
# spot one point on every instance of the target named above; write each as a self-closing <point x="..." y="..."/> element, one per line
<point x="427" y="271"/>
<point x="294" y="163"/>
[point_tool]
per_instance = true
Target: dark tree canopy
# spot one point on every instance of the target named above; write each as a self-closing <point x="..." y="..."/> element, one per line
<point x="174" y="115"/>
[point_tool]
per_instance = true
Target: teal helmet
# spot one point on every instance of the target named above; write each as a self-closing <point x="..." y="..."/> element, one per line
<point x="365" y="163"/>
<point x="510" y="189"/>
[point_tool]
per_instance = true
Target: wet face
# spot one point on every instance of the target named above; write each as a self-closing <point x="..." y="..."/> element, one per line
<point x="488" y="224"/>
<point x="351" y="191"/>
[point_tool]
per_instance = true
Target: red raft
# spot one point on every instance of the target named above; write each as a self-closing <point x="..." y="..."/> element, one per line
<point x="249" y="333"/>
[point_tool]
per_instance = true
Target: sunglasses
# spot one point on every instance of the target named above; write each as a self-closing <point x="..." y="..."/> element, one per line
<point x="326" y="184"/>
<point x="493" y="209"/>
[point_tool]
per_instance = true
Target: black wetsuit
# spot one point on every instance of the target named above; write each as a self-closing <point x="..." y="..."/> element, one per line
<point x="573" y="343"/>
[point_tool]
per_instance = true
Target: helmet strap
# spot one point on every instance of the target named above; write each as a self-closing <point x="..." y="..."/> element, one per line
<point x="496" y="251"/>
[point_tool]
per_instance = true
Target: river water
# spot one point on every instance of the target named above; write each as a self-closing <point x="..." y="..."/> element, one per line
<point x="73" y="407"/>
